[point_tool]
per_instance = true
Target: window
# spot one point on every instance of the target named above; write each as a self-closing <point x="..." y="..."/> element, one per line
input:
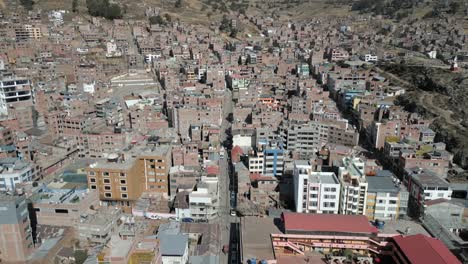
<point x="108" y="195"/>
<point x="123" y="182"/>
<point x="123" y="188"/>
<point x="93" y="187"/>
<point x="124" y="196"/>
<point x="106" y="181"/>
<point x="333" y="189"/>
<point x="123" y="174"/>
<point x="105" y="173"/>
<point x="151" y="160"/>
<point x="92" y="179"/>
<point x="152" y="166"/>
<point x="91" y="173"/>
<point x="107" y="188"/>
<point x="61" y="211"/>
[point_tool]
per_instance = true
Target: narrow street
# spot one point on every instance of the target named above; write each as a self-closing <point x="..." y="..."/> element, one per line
<point x="225" y="220"/>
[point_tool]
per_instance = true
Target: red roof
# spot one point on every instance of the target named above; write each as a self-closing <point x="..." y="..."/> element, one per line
<point x="236" y="152"/>
<point x="260" y="177"/>
<point x="328" y="222"/>
<point x="421" y="249"/>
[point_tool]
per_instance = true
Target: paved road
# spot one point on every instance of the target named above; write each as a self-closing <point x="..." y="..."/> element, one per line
<point x="225" y="219"/>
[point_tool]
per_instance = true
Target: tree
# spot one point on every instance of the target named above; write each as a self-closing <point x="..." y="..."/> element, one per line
<point x="225" y="24"/>
<point x="113" y="12"/>
<point x="168" y="18"/>
<point x="233" y="33"/>
<point x="103" y="8"/>
<point x="75" y="6"/>
<point x="178" y="4"/>
<point x="27" y="4"/>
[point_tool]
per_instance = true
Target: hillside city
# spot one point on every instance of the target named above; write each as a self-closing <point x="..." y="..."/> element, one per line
<point x="249" y="138"/>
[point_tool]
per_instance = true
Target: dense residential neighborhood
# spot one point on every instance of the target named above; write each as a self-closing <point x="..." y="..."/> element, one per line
<point x="154" y="140"/>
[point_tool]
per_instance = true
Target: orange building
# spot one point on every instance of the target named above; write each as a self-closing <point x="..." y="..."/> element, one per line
<point x="122" y="178"/>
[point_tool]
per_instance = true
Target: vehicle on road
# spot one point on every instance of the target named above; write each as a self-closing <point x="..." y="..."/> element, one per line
<point x="187" y="220"/>
<point x="233" y="212"/>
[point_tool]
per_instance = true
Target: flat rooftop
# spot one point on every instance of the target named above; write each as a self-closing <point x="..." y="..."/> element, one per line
<point x="297" y="222"/>
<point x="382" y="184"/>
<point x="427" y="178"/>
<point x="323" y="177"/>
<point x="256" y="239"/>
<point x="401" y="226"/>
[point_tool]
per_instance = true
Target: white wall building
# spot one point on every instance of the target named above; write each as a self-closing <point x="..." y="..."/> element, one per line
<point x="13" y="89"/>
<point x="424" y="185"/>
<point x="370" y="58"/>
<point x="256" y="163"/>
<point x="12" y="172"/>
<point x="203" y="202"/>
<point x="353" y="186"/>
<point x="315" y="192"/>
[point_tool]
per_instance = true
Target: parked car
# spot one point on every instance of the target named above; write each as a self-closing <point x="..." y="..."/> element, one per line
<point x="187" y="220"/>
<point x="154" y="217"/>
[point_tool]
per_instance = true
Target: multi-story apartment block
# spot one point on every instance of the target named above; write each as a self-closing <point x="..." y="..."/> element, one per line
<point x="387" y="198"/>
<point x="14" y="171"/>
<point x="27" y="32"/>
<point x="16" y="240"/>
<point x="256" y="161"/>
<point x="273" y="164"/>
<point x="121" y="179"/>
<point x="353" y="186"/>
<point x="306" y="139"/>
<point x="13" y="90"/>
<point x="204" y="202"/>
<point x="424" y="185"/>
<point x="315" y="192"/>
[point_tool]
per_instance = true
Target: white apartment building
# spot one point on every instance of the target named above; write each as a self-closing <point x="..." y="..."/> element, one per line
<point x="371" y="58"/>
<point x="203" y="202"/>
<point x="353" y="186"/>
<point x="14" y="171"/>
<point x="13" y="89"/>
<point x="424" y="185"/>
<point x="256" y="163"/>
<point x="315" y="192"/>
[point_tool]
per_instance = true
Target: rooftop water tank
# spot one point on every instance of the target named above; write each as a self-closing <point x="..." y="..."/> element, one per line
<point x="113" y="157"/>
